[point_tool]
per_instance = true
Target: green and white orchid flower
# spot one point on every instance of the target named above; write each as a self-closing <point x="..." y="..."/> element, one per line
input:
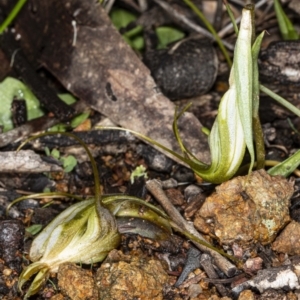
<point x="67" y="238"/>
<point x="232" y="131"/>
<point x="89" y="224"/>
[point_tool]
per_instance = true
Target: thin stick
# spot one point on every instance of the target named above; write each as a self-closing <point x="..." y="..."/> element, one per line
<point x="179" y="223"/>
<point x="179" y="16"/>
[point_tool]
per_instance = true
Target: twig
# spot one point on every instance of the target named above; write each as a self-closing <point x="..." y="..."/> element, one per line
<point x="33" y="126"/>
<point x="25" y="161"/>
<point x="192" y="263"/>
<point x="207" y="265"/>
<point x="179" y="16"/>
<point x="18" y="133"/>
<point x="155" y="188"/>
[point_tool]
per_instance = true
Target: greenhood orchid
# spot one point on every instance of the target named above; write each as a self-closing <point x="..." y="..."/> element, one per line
<point x="67" y="238"/>
<point x="237" y="121"/>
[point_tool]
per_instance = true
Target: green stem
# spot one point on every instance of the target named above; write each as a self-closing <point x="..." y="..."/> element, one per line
<point x="280" y="100"/>
<point x="92" y="160"/>
<point x="259" y="143"/>
<point x="43" y="196"/>
<point x="231" y="17"/>
<point x="210" y="28"/>
<point x="268" y="163"/>
<point x="12" y="15"/>
<point x="199" y="241"/>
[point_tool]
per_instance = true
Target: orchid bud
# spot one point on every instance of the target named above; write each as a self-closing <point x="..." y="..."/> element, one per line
<point x="77" y="235"/>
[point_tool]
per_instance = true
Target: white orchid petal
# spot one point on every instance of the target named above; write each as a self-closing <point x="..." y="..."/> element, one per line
<point x="243" y="76"/>
<point x="39" y="243"/>
<point x="83" y="239"/>
<point x="232" y="130"/>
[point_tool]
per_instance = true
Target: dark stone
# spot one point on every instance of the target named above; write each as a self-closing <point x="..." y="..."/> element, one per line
<point x="186" y="71"/>
<point x="11" y="243"/>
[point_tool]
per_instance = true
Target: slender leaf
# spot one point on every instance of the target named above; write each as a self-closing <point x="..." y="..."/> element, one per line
<point x="286" y="27"/>
<point x="210" y="28"/>
<point x="286" y="167"/>
<point x="12" y="15"/>
<point x="231" y="16"/>
<point x="257" y="129"/>
<point x="280" y="100"/>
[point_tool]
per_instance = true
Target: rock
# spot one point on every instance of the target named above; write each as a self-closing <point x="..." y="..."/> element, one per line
<point x="186" y="70"/>
<point x="247" y="209"/>
<point x="58" y="297"/>
<point x="289" y="240"/>
<point x="175" y="196"/>
<point x="76" y="283"/>
<point x="252" y="265"/>
<point x="132" y="277"/>
<point x="12" y="243"/>
<point x="246" y="295"/>
<point x="194" y="290"/>
<point x="283" y="277"/>
<point x="275" y="295"/>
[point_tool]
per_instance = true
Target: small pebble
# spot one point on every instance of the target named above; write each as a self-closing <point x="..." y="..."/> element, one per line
<point x="7" y="272"/>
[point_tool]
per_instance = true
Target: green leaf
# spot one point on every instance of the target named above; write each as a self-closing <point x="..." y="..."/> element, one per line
<point x="69" y="163"/>
<point x="137" y="43"/>
<point x="121" y="17"/>
<point x="167" y="35"/>
<point x="286" y="167"/>
<point x="10" y="88"/>
<point x="55" y="153"/>
<point x="280" y="100"/>
<point x="139" y="171"/>
<point x="34" y="229"/>
<point x="67" y="98"/>
<point x="257" y="129"/>
<point x="286" y="27"/>
<point x="47" y="151"/>
<point x="79" y="119"/>
<point x="255" y="52"/>
<point x="231" y="17"/>
<point x="58" y="128"/>
<point x="210" y="28"/>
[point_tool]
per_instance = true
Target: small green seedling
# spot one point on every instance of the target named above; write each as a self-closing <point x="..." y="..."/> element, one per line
<point x="139" y="171"/>
<point x="69" y="162"/>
